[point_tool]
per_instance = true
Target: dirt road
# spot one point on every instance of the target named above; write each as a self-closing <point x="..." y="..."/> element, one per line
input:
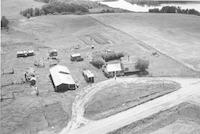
<point x="190" y="88"/>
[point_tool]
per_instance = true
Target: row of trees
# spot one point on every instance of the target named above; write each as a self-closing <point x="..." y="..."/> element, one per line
<point x="54" y="8"/>
<point x="173" y="9"/>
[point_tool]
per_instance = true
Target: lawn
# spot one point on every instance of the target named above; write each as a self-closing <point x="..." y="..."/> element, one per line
<point x="124" y="95"/>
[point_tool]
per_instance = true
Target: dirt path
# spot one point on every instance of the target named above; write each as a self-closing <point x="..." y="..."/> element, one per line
<point x="190" y="88"/>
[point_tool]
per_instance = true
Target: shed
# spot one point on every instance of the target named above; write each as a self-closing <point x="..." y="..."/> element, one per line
<point x="76" y="57"/>
<point x="88" y="75"/>
<point x="61" y="78"/>
<point x="53" y="53"/>
<point x="110" y="70"/>
<point x="25" y="53"/>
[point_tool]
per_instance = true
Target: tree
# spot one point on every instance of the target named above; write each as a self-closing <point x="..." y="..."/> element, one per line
<point x="142" y="64"/>
<point x="4" y="22"/>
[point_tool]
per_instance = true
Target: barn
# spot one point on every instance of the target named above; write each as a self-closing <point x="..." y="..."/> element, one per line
<point x="61" y="78"/>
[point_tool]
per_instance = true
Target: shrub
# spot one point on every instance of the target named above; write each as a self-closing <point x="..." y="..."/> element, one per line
<point x="142" y="64"/>
<point x="168" y="9"/>
<point x="4" y="22"/>
<point x="155" y="10"/>
<point x="112" y="56"/>
<point x="97" y="62"/>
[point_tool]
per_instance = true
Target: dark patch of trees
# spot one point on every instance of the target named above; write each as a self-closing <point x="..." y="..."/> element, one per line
<point x="4" y="22"/>
<point x="44" y="1"/>
<point x="55" y="8"/>
<point x="100" y="58"/>
<point x="173" y="9"/>
<point x="142" y="64"/>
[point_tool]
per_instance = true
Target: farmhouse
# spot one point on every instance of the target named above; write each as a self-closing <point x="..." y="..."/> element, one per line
<point x="129" y="64"/>
<point x="88" y="75"/>
<point x="61" y="78"/>
<point x="112" y="69"/>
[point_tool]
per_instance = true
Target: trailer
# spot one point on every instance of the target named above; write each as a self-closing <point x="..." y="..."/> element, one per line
<point x="76" y="57"/>
<point x="89" y="76"/>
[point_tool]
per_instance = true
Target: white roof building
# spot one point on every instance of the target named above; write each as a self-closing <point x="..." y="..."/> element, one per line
<point x="114" y="67"/>
<point x="61" y="75"/>
<point x="76" y="55"/>
<point x="88" y="73"/>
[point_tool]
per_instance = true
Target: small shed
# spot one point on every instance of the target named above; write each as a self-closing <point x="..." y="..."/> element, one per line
<point x="88" y="75"/>
<point x="110" y="70"/>
<point x="53" y="53"/>
<point x="76" y="57"/>
<point x="25" y="53"/>
<point x="61" y="78"/>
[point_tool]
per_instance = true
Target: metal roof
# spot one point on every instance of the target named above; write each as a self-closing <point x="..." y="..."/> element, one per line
<point x="88" y="73"/>
<point x="75" y="55"/>
<point x="113" y="67"/>
<point x="61" y="75"/>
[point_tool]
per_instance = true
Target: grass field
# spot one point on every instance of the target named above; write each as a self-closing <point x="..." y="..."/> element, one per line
<point x="124" y="95"/>
<point x="183" y="118"/>
<point x="175" y="35"/>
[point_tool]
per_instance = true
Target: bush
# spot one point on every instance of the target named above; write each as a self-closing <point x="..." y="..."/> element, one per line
<point x="142" y="64"/>
<point x="172" y="9"/>
<point x="98" y="62"/>
<point x="155" y="10"/>
<point x="168" y="9"/>
<point x="4" y="22"/>
<point x="112" y="56"/>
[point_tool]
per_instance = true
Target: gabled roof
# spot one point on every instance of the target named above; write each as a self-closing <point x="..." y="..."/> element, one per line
<point x="88" y="73"/>
<point x="113" y="67"/>
<point x="75" y="55"/>
<point x="61" y="75"/>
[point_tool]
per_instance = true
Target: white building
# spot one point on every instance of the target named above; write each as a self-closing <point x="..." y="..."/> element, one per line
<point x="110" y="70"/>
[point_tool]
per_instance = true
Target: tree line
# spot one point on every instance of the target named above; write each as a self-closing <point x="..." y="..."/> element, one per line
<point x="173" y="9"/>
<point x="55" y="8"/>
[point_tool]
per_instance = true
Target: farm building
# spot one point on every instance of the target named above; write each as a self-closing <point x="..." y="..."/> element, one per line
<point x="25" y="53"/>
<point x="61" y="78"/>
<point x="53" y="53"/>
<point x="76" y="57"/>
<point x="110" y="70"/>
<point x="129" y="64"/>
<point x="88" y="75"/>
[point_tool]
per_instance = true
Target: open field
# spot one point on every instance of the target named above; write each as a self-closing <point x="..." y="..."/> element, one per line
<point x="175" y="35"/>
<point x="180" y="119"/>
<point x="12" y="8"/>
<point x="124" y="95"/>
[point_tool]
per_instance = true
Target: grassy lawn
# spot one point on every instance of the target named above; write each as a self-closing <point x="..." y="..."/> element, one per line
<point x="122" y="96"/>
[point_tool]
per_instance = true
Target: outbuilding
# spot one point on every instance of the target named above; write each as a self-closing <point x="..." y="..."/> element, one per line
<point x="112" y="69"/>
<point x="25" y="53"/>
<point x="61" y="78"/>
<point x="53" y="53"/>
<point x="76" y="57"/>
<point x="88" y="75"/>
